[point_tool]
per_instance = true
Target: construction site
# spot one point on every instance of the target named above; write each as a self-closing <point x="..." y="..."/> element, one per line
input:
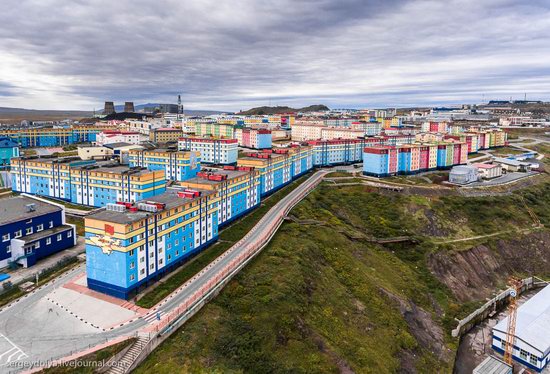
<point x="514" y="340"/>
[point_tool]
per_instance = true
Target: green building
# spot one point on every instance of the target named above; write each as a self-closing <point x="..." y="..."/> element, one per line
<point x="8" y="149"/>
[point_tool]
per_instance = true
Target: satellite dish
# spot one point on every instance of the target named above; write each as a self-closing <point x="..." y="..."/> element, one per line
<point x="513" y="293"/>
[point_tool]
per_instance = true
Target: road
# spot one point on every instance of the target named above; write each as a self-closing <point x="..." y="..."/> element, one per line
<point x="38" y="330"/>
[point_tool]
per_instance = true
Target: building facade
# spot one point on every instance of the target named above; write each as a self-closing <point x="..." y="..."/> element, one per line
<point x="237" y="190"/>
<point x="85" y="182"/>
<point x="52" y="137"/>
<point x="32" y="229"/>
<point x="165" y="135"/>
<point x="176" y="165"/>
<point x="213" y="151"/>
<point x="8" y="150"/>
<point x="253" y="138"/>
<point x="130" y="246"/>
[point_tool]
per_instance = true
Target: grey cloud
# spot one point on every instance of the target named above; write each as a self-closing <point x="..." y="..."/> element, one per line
<point x="231" y="54"/>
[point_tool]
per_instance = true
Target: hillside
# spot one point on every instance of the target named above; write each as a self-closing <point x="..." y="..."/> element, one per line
<point x="323" y="297"/>
<point x="263" y="110"/>
<point x="16" y="115"/>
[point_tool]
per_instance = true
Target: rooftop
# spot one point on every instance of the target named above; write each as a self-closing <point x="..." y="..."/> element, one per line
<point x="170" y="198"/>
<point x="231" y="174"/>
<point x="493" y="365"/>
<point x="533" y="319"/>
<point x="13" y="209"/>
<point x="45" y="233"/>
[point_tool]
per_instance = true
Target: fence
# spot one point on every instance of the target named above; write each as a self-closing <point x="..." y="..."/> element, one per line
<point x="215" y="283"/>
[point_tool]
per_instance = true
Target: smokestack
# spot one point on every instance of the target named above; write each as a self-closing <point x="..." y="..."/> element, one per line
<point x="109" y="108"/>
<point x="129" y="107"/>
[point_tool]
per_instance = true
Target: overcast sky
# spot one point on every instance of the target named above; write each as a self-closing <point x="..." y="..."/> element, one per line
<point x="231" y="55"/>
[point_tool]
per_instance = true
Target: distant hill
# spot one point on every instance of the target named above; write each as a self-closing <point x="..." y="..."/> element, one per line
<point x="16" y="115"/>
<point x="263" y="110"/>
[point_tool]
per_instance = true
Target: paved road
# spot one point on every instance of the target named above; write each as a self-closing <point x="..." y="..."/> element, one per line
<point x="42" y="331"/>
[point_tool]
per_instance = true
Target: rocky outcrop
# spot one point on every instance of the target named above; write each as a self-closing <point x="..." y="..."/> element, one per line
<point x="476" y="273"/>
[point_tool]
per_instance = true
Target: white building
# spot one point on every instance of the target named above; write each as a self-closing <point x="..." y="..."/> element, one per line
<point x="463" y="174"/>
<point x="532" y="336"/>
<point x="113" y="136"/>
<point x="489" y="171"/>
<point x="214" y="151"/>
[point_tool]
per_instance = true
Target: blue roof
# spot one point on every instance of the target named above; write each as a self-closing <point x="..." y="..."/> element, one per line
<point x="7" y="143"/>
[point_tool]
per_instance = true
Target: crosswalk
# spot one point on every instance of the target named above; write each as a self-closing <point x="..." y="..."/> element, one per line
<point x="154" y="316"/>
<point x="9" y="352"/>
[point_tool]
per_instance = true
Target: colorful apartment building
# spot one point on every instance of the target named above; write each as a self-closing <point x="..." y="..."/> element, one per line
<point x="32" y="229"/>
<point x="84" y="182"/>
<point x="8" y="150"/>
<point x="275" y="169"/>
<point x="128" y="246"/>
<point x="215" y="130"/>
<point x="177" y="165"/>
<point x="253" y="138"/>
<point x="380" y="161"/>
<point x="385" y="160"/>
<point x="437" y="127"/>
<point x="115" y="136"/>
<point x="237" y="190"/>
<point x="51" y="137"/>
<point x="337" y="152"/>
<point x="211" y="150"/>
<point x="369" y="128"/>
<point x="165" y="135"/>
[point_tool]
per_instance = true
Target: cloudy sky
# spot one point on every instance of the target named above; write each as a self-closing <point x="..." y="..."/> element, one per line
<point x="231" y="55"/>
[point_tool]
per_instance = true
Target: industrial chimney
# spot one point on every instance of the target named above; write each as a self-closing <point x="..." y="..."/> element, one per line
<point x="129" y="107"/>
<point x="109" y="108"/>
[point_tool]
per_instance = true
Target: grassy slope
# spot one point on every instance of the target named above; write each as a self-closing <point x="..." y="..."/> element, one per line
<point x="317" y="301"/>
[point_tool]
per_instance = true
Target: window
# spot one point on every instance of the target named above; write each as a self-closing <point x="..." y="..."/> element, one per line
<point x="28" y="231"/>
<point x="6" y="237"/>
<point x="160" y="261"/>
<point x="132" y="277"/>
<point x="142" y="271"/>
<point x="48" y="241"/>
<point x="59" y="237"/>
<point x="8" y="249"/>
<point x="523" y="354"/>
<point x="534" y="360"/>
<point x="39" y="227"/>
<point x="28" y="251"/>
<point x="51" y="224"/>
<point x="69" y="234"/>
<point x="152" y="255"/>
<point x="152" y="267"/>
<point x="37" y="245"/>
<point x="142" y="259"/>
<point x="132" y="265"/>
<point x="132" y="252"/>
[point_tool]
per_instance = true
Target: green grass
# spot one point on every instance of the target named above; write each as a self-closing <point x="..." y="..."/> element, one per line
<point x="79" y="223"/>
<point x="69" y="205"/>
<point x="88" y="363"/>
<point x="315" y="300"/>
<point x="227" y="238"/>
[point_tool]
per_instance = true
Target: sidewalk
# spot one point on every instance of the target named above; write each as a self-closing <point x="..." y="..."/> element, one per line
<point x="24" y="273"/>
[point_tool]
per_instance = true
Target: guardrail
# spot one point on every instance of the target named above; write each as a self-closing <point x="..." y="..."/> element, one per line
<point x="192" y="304"/>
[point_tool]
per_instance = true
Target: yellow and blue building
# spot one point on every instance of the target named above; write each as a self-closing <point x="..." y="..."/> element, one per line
<point x="130" y="246"/>
<point x="177" y="165"/>
<point x="337" y="151"/>
<point x="237" y="190"/>
<point x="51" y="136"/>
<point x="85" y="182"/>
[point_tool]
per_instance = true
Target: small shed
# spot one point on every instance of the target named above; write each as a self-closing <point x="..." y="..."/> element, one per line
<point x="493" y="365"/>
